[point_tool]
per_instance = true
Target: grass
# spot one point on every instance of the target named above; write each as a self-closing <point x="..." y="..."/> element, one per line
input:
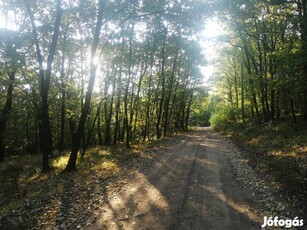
<point x="21" y="178"/>
<point x="278" y="150"/>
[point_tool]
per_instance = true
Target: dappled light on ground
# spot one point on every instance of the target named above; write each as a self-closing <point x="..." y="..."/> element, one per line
<point x="190" y="187"/>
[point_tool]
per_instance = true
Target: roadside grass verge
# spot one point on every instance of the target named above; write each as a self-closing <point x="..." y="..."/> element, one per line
<point x="277" y="150"/>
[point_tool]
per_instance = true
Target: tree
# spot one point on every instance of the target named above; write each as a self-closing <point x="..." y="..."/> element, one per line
<point x="269" y="34"/>
<point x="44" y="78"/>
<point x="141" y="81"/>
<point x="71" y="165"/>
<point x="9" y="60"/>
<point x="6" y="112"/>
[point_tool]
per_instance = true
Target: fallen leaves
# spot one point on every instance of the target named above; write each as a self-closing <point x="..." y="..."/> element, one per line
<point x="67" y="201"/>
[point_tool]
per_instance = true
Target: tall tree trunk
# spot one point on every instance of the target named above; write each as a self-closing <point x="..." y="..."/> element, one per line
<point x="242" y="93"/>
<point x="182" y="106"/>
<point x="117" y="107"/>
<point x="63" y="107"/>
<point x="6" y="113"/>
<point x="272" y="94"/>
<point x="188" y="111"/>
<point x="230" y="96"/>
<point x="304" y="45"/>
<point x="236" y="90"/>
<point x="147" y="121"/>
<point x="98" y="127"/>
<point x="71" y="165"/>
<point x="292" y="106"/>
<point x="108" y="137"/>
<point x="127" y="125"/>
<point x="169" y="92"/>
<point x="265" y="66"/>
<point x="107" y="121"/>
<point x="117" y="122"/>
<point x="162" y="77"/>
<point x="261" y="82"/>
<point x="45" y="77"/>
<point x="135" y="106"/>
<point x="97" y="118"/>
<point x="278" y="104"/>
<point x="251" y="82"/>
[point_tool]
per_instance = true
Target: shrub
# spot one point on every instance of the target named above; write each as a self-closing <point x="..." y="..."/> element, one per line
<point x="221" y="117"/>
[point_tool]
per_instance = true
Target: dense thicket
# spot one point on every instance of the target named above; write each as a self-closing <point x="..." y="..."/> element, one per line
<point x="75" y="73"/>
<point x="262" y="69"/>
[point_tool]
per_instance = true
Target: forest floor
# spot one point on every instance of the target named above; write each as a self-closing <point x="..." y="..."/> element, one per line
<point x="197" y="180"/>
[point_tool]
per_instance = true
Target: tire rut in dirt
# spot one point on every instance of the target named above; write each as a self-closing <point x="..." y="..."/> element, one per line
<point x="177" y="218"/>
<point x="190" y="186"/>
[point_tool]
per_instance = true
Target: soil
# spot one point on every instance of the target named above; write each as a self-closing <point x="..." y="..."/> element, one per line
<point x="198" y="180"/>
<point x="192" y="185"/>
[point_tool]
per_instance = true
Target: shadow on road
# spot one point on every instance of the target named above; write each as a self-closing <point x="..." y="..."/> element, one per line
<point x="191" y="186"/>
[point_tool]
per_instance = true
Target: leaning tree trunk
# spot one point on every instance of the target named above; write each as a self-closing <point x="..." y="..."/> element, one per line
<point x="77" y="136"/>
<point x="89" y="137"/>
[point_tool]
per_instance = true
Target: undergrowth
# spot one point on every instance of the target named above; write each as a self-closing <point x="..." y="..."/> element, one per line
<point x="278" y="150"/>
<point x="21" y="178"/>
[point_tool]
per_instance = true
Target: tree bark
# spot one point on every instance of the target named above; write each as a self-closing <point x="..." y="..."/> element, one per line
<point x="242" y="93"/>
<point x="6" y="113"/>
<point x="147" y="120"/>
<point x="169" y="92"/>
<point x="45" y="76"/>
<point x="230" y="96"/>
<point x="117" y="110"/>
<point x="162" y="76"/>
<point x="108" y="117"/>
<point x="251" y="82"/>
<point x="77" y="136"/>
<point x="304" y="44"/>
<point x="97" y="117"/>
<point x="127" y="125"/>
<point x="63" y="107"/>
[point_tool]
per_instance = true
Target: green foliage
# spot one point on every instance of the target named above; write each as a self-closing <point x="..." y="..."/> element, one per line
<point x="221" y="117"/>
<point x="265" y="39"/>
<point x="200" y="118"/>
<point x="201" y="111"/>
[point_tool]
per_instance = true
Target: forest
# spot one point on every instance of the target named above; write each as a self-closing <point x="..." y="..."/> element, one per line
<point x="261" y="69"/>
<point x="75" y="74"/>
<point x="78" y="75"/>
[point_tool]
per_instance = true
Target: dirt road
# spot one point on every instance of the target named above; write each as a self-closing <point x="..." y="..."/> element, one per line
<point x="190" y="186"/>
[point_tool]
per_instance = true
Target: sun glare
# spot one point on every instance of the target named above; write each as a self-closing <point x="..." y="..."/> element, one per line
<point x="213" y="28"/>
<point x="209" y="42"/>
<point x="8" y="22"/>
<point x="2" y="22"/>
